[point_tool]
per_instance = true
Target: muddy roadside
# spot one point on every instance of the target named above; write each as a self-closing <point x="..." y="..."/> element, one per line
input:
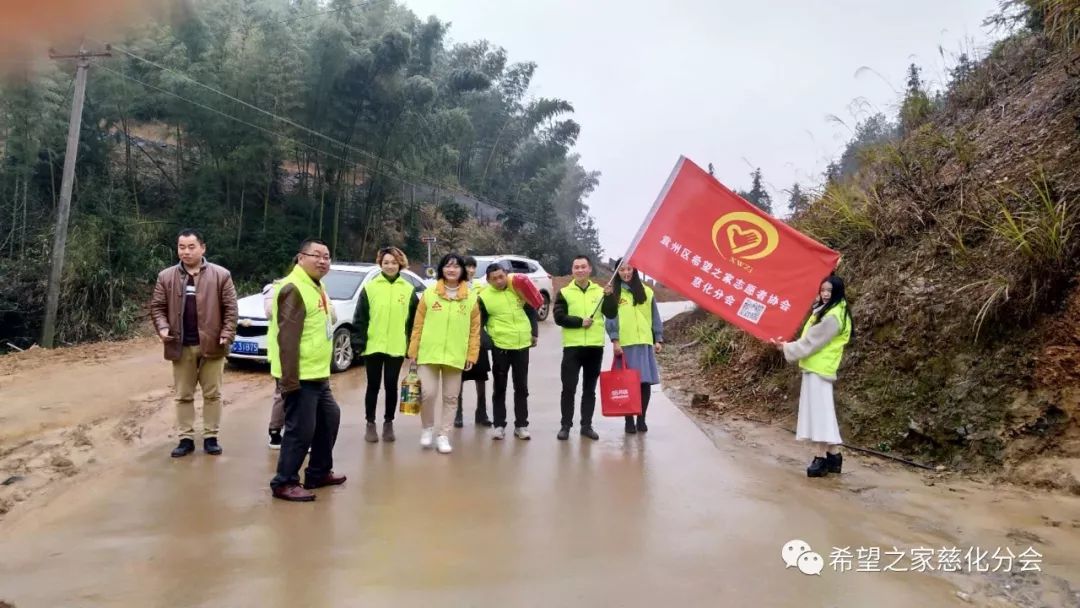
<point x="69" y="413"/>
<point x="910" y="506"/>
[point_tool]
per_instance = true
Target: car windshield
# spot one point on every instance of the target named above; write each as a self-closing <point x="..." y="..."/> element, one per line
<point x="481" y="268"/>
<point x="342" y="285"/>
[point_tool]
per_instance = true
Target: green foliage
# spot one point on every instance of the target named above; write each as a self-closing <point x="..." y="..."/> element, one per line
<point x="455" y="213"/>
<point x="870" y="133"/>
<point x="1057" y="19"/>
<point x="843" y="216"/>
<point x="1061" y="20"/>
<point x="757" y="195"/>
<point x="1031" y="255"/>
<point x="718" y="341"/>
<point x="1038" y="225"/>
<point x="798" y="201"/>
<point x="343" y="123"/>
<point x="916" y="107"/>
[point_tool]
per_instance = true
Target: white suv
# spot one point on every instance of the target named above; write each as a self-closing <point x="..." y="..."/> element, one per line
<point x="343" y="284"/>
<point x="519" y="265"/>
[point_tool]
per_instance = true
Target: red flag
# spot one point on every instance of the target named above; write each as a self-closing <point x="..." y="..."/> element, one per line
<point x="729" y="257"/>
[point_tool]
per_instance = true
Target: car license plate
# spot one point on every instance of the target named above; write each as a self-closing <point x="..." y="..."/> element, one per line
<point x="245" y="348"/>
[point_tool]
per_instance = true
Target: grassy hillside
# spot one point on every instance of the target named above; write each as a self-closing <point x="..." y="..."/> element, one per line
<point x="959" y="241"/>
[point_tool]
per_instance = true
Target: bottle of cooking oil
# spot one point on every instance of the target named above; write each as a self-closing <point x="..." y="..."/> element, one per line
<point x="410" y="393"/>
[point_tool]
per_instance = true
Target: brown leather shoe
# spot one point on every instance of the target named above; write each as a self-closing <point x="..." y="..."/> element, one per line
<point x="293" y="493"/>
<point x="329" y="480"/>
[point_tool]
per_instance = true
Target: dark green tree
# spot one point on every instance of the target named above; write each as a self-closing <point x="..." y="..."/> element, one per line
<point x="757" y="195"/>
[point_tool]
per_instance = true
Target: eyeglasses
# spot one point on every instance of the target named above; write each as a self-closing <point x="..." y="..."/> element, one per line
<point x="324" y="258"/>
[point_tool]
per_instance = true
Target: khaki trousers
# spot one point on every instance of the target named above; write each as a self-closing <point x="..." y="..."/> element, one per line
<point x="277" y="409"/>
<point x="432" y="378"/>
<point x="193" y="369"/>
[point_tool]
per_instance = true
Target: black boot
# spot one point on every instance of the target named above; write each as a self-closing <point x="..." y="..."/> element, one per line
<point x="458" y="422"/>
<point x="631" y="428"/>
<point x="816" y="468"/>
<point x="211" y="446"/>
<point x="564" y="433"/>
<point x="834" y="462"/>
<point x="481" y="418"/>
<point x="186" y="447"/>
<point x="587" y="431"/>
<point x="641" y="426"/>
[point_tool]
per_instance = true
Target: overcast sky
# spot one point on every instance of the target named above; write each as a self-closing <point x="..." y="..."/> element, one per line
<point x="738" y="84"/>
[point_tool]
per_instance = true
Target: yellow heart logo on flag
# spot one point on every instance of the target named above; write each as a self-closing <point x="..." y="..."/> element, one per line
<point x="742" y="240"/>
<point x="749" y="236"/>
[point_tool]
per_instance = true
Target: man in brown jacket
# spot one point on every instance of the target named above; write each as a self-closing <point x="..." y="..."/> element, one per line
<point x="194" y="314"/>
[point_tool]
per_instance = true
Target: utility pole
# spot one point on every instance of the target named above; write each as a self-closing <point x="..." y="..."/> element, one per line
<point x="52" y="301"/>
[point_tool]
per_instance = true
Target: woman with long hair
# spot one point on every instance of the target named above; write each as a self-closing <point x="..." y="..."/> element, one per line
<point x="636" y="331"/>
<point x="445" y="342"/>
<point x="819" y="350"/>
<point x="383" y="322"/>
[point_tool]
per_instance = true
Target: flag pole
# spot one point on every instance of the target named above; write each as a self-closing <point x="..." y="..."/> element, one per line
<point x="622" y="261"/>
<point x="645" y="224"/>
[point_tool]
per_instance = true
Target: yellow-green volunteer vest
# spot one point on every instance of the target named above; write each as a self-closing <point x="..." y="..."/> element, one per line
<point x="635" y="321"/>
<point x="583" y="304"/>
<point x="447" y="323"/>
<point x="826" y="361"/>
<point x="316" y="348"/>
<point x="388" y="309"/>
<point x="507" y="323"/>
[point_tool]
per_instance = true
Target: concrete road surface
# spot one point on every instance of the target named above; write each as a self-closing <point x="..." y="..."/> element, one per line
<point x="663" y="520"/>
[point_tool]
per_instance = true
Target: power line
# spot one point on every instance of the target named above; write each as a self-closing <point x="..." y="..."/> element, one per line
<point x="243" y="103"/>
<point x="222" y="114"/>
<point x="282" y="136"/>
<point x="305" y="129"/>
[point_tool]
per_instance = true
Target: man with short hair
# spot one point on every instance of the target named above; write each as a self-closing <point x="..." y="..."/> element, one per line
<point x="512" y="326"/>
<point x="277" y="407"/>
<point x="577" y="307"/>
<point x="194" y="314"/>
<point x="300" y="347"/>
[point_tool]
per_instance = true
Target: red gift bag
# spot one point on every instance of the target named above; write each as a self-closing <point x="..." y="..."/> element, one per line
<point x="620" y="390"/>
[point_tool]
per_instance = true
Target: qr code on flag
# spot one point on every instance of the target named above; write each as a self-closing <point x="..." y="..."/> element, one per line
<point x="751" y="310"/>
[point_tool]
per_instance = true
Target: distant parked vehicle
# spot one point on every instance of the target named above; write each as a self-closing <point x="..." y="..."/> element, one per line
<point x="521" y="265"/>
<point x="343" y="284"/>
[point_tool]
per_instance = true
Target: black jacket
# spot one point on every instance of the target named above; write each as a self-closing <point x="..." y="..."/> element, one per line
<point x="362" y="318"/>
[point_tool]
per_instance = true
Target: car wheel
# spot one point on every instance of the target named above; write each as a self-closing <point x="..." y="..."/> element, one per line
<point x="343" y="350"/>
<point x="545" y="308"/>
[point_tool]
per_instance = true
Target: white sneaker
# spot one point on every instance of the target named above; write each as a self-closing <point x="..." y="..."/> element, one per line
<point x="426" y="436"/>
<point x="443" y="443"/>
<point x="498" y="433"/>
<point x="522" y="433"/>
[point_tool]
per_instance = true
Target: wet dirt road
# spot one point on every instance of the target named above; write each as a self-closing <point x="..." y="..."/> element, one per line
<point x="664" y="519"/>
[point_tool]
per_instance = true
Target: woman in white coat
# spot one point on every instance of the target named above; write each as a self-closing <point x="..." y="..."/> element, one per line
<point x="818" y="351"/>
